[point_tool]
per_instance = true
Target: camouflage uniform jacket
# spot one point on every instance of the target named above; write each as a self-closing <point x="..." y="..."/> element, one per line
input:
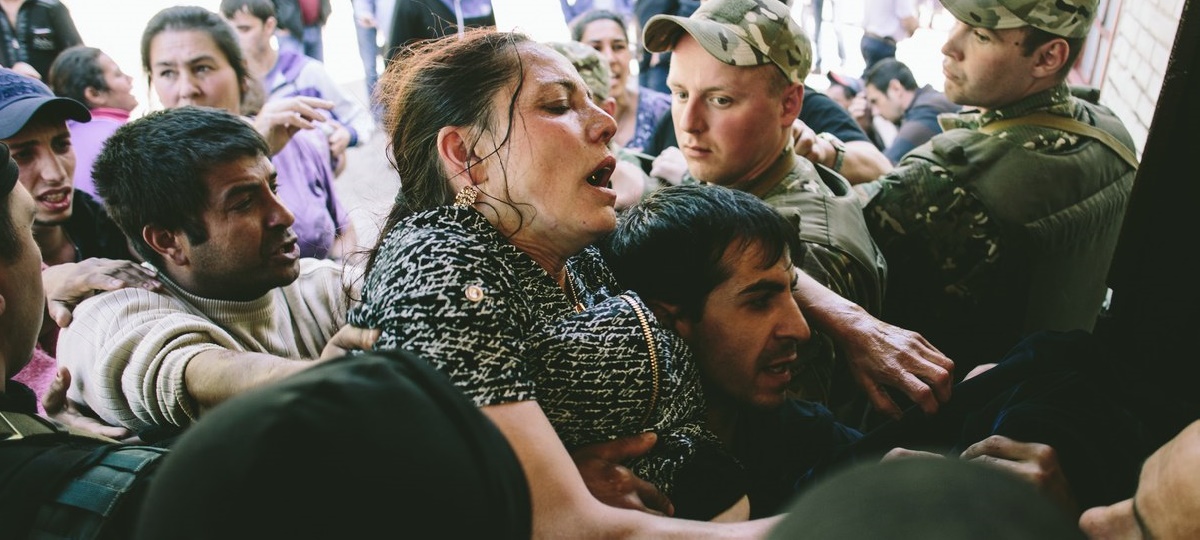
<point x="989" y="237"/>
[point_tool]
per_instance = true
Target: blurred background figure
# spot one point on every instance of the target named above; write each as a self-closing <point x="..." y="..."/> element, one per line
<point x="892" y="93"/>
<point x="285" y="73"/>
<point x="639" y="109"/>
<point x="90" y="77"/>
<point x="32" y="34"/>
<point x="415" y="20"/>
<point x="652" y="67"/>
<point x="574" y="8"/>
<point x="301" y="23"/>
<point x="372" y="22"/>
<point x="886" y="23"/>
<point x="817" y="9"/>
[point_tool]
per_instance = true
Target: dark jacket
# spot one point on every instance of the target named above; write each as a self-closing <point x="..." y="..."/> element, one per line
<point x="44" y="28"/>
<point x="287" y="12"/>
<point x="416" y="20"/>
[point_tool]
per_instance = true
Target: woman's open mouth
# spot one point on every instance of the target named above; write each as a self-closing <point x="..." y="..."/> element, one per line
<point x="602" y="175"/>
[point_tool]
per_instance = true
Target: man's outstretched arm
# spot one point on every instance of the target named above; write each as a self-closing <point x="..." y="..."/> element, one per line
<point x="881" y="355"/>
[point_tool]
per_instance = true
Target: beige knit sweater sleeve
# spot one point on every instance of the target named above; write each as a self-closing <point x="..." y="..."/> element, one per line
<point x="127" y="351"/>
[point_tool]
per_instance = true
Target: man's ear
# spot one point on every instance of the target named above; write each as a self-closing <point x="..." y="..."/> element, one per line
<point x="894" y="86"/>
<point x="168" y="244"/>
<point x="269" y="25"/>
<point x="793" y="99"/>
<point x="457" y="156"/>
<point x="3" y="304"/>
<point x="1048" y="59"/>
<point x="669" y="315"/>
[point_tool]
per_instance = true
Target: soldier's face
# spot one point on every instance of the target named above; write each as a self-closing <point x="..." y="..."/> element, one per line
<point x="731" y="122"/>
<point x="986" y="68"/>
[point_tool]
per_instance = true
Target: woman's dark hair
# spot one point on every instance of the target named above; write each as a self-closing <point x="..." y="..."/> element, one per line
<point x="579" y="24"/>
<point x="184" y="18"/>
<point x="449" y="81"/>
<point x="74" y="71"/>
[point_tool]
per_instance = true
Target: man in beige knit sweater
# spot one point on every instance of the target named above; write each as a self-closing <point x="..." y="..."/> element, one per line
<point x="194" y="191"/>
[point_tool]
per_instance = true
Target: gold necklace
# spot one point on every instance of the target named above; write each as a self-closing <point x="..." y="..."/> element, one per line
<point x="571" y="291"/>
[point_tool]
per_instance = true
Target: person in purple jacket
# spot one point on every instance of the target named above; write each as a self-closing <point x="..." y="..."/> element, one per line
<point x="92" y="78"/>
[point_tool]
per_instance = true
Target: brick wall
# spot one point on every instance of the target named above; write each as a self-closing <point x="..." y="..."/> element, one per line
<point x="1141" y="48"/>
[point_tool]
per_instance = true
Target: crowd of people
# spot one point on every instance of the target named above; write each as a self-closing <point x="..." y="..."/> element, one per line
<point x="702" y="302"/>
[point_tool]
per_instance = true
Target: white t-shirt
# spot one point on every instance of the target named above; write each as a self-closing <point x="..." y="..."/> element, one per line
<point x="882" y="17"/>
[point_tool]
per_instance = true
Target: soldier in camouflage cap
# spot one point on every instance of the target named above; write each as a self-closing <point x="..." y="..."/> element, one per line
<point x="590" y="65"/>
<point x="737" y="73"/>
<point x="739" y="33"/>
<point x="1063" y="18"/>
<point x="1005" y="223"/>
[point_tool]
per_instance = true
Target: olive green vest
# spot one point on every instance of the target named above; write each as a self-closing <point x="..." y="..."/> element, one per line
<point x="1060" y="216"/>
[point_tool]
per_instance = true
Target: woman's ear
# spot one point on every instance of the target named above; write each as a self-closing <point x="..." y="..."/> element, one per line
<point x="456" y="155"/>
<point x="166" y="243"/>
<point x="95" y="98"/>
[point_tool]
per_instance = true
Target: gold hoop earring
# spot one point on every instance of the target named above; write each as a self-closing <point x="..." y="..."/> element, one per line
<point x="466" y="196"/>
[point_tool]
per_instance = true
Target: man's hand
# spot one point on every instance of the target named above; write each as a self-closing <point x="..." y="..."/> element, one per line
<point x="349" y="338"/>
<point x="882" y="355"/>
<point x="629" y="182"/>
<point x="339" y="139"/>
<point x="860" y="109"/>
<point x="808" y="145"/>
<point x="1035" y="463"/>
<point x="614" y="484"/>
<point x="69" y="284"/>
<point x="64" y="411"/>
<point x="670" y="165"/>
<point x="365" y="21"/>
<point x="279" y="120"/>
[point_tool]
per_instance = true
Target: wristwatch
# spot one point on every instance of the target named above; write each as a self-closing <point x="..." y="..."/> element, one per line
<point x="839" y="149"/>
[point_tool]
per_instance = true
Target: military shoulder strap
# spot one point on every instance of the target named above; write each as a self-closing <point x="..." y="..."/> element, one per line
<point x="1069" y="125"/>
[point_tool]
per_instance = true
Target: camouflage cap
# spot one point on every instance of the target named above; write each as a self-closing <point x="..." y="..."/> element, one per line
<point x="739" y="33"/>
<point x="590" y="65"/>
<point x="1065" y="18"/>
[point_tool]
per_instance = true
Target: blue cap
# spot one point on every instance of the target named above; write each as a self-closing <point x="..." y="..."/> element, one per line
<point x="21" y="97"/>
